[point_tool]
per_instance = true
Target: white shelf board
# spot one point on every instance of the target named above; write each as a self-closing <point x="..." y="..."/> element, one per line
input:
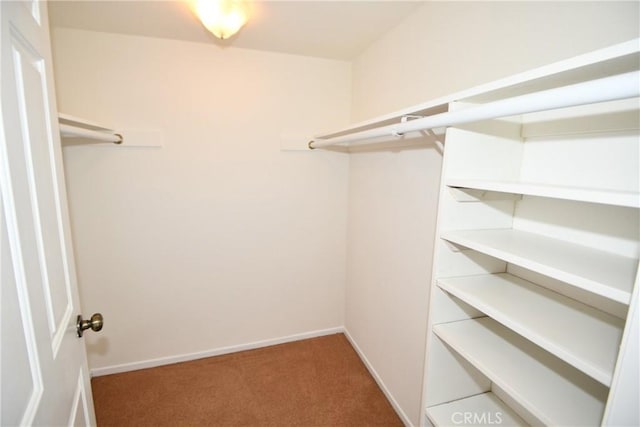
<point x="485" y="409"/>
<point x="582" y="336"/>
<point x="608" y="197"/>
<point x="602" y="273"/>
<point x="551" y="390"/>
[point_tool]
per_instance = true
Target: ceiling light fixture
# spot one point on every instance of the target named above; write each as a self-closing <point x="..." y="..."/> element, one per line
<point x="223" y="18"/>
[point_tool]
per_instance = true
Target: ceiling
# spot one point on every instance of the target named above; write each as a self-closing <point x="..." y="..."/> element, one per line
<point x="322" y="28"/>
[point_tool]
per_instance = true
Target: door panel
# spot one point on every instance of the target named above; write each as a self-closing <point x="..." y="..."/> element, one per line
<point x="44" y="374"/>
<point x="21" y="387"/>
<point x="31" y="83"/>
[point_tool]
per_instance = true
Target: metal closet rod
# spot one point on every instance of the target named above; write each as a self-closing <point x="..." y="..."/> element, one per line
<point x="622" y="86"/>
<point x="76" y="132"/>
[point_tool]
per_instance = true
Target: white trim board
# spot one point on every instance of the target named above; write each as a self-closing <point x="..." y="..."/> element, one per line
<point x="381" y="384"/>
<point x="161" y="361"/>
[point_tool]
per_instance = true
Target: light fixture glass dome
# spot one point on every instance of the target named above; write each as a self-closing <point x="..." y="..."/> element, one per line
<point x="223" y="18"/>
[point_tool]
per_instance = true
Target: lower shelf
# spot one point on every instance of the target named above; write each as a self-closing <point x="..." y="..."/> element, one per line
<point x="549" y="389"/>
<point x="479" y="410"/>
<point x="578" y="334"/>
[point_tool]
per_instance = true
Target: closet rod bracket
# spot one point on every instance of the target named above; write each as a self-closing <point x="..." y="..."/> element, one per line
<point x="405" y="119"/>
<point x="408" y="117"/>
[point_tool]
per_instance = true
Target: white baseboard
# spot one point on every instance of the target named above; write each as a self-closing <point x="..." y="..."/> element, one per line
<point x="381" y="383"/>
<point x="151" y="363"/>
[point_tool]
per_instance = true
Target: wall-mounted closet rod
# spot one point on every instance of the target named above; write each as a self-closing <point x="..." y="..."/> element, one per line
<point x="77" y="132"/>
<point x="612" y="88"/>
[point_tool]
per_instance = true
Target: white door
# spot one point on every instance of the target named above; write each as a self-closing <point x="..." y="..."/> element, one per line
<point x="43" y="371"/>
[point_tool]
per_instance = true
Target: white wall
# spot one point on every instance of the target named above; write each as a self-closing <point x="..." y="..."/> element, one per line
<point x="442" y="48"/>
<point x="218" y="238"/>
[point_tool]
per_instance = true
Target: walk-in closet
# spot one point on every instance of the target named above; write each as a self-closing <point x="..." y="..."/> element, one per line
<point x="420" y="213"/>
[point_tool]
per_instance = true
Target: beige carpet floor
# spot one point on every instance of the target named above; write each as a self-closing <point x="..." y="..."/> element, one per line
<point x="315" y="382"/>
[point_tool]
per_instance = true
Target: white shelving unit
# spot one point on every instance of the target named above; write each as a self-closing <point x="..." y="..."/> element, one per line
<point x="534" y="297"/>
<point x="535" y="270"/>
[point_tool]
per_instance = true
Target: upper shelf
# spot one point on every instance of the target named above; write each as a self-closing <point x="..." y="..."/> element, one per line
<point x="607" y="197"/>
<point x="75" y="127"/>
<point x="612" y="61"/>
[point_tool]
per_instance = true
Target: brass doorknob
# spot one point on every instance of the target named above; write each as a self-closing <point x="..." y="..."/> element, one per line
<point x="95" y="323"/>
